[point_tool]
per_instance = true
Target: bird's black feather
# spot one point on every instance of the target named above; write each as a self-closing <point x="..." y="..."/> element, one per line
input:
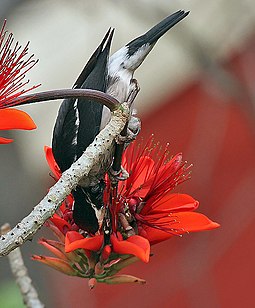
<point x="88" y="109"/>
<point x="63" y="135"/>
<point x="79" y="120"/>
<point x="90" y="65"/>
<point x="77" y="124"/>
<point x="151" y="36"/>
<point x="84" y="201"/>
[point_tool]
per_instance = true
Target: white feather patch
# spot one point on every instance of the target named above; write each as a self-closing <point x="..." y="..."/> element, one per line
<point x="77" y="123"/>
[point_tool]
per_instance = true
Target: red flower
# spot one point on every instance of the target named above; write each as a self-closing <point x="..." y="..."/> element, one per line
<point x="88" y="257"/>
<point x="159" y="213"/>
<point x="143" y="211"/>
<point x="13" y="67"/>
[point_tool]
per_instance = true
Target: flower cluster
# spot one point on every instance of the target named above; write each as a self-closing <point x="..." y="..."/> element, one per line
<point x="142" y="211"/>
<point x="13" y="66"/>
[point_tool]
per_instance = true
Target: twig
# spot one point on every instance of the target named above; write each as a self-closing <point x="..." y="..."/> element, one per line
<point x="25" y="230"/>
<point x="19" y="270"/>
<point x="98" y="96"/>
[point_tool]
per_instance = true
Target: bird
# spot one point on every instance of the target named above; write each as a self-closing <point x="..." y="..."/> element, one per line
<point x="77" y="124"/>
<point x="80" y="120"/>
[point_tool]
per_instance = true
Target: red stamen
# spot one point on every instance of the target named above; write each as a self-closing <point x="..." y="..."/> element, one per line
<point x="13" y="68"/>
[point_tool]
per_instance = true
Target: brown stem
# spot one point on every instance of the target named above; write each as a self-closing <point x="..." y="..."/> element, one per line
<point x="98" y="96"/>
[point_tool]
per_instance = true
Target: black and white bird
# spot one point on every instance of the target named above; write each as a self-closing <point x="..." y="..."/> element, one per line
<point x="77" y="124"/>
<point x="80" y="120"/>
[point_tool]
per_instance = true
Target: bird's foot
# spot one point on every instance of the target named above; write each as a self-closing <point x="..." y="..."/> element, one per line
<point x="129" y="231"/>
<point x="120" y="175"/>
<point x="133" y="129"/>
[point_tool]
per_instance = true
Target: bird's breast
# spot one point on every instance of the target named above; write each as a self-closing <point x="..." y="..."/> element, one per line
<point x="119" y="83"/>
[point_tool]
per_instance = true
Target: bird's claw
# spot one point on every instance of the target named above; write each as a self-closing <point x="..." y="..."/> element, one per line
<point x="125" y="225"/>
<point x="133" y="129"/>
<point x="120" y="175"/>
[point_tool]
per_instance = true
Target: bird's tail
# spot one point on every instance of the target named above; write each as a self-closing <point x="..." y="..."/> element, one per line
<point x="104" y="45"/>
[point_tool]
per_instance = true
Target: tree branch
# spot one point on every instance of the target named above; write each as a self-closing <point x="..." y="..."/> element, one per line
<point x="24" y="282"/>
<point x="25" y="230"/>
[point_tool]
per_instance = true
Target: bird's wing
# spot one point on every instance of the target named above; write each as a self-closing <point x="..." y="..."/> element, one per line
<point x="78" y="120"/>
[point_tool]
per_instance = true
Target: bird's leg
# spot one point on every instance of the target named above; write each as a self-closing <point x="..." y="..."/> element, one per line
<point x="117" y="172"/>
<point x="134" y="124"/>
<point x="134" y="90"/>
<point x="119" y="175"/>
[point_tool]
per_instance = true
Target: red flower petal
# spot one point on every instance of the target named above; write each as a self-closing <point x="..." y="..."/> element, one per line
<point x="56" y="263"/>
<point x="15" y="119"/>
<point x="51" y="162"/>
<point x="5" y="140"/>
<point x="171" y="203"/>
<point x="155" y="236"/>
<point x="160" y="179"/>
<point x="67" y="204"/>
<point x="54" y="247"/>
<point x="192" y="222"/>
<point x="134" y="245"/>
<point x="106" y="252"/>
<point x="139" y="174"/>
<point x="73" y="236"/>
<point x="182" y="222"/>
<point x="60" y="223"/>
<point x="118" y="279"/>
<point x="74" y="241"/>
